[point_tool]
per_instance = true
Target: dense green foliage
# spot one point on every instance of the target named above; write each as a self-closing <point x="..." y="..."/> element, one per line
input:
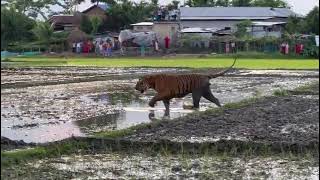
<point x="86" y="25"/>
<point x="307" y="25"/>
<point x="242" y="28"/>
<point x="44" y="32"/>
<point x="126" y="12"/>
<point x="41" y="8"/>
<point x="95" y="24"/>
<point x="15" y="27"/>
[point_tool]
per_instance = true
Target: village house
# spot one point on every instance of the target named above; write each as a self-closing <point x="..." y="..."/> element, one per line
<point x="142" y="26"/>
<point x="209" y="21"/>
<point x="68" y="22"/>
<point x="266" y="21"/>
<point x="98" y="10"/>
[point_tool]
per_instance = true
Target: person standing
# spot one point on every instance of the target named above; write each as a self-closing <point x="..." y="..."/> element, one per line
<point x="167" y="42"/>
<point x="74" y="46"/>
<point x="233" y="47"/>
<point x="287" y="48"/>
<point x="109" y="48"/>
<point x="101" y="48"/>
<point x="78" y="47"/>
<point x="105" y="47"/>
<point x="227" y="49"/>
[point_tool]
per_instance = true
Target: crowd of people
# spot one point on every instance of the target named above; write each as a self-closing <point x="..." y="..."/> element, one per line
<point x="99" y="47"/>
<point x="164" y="14"/>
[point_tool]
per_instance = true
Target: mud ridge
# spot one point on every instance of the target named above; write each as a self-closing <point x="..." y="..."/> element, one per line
<point x="235" y="147"/>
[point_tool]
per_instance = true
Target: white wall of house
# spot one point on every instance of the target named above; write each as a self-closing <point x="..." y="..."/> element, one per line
<point x="142" y="28"/>
<point x="209" y="24"/>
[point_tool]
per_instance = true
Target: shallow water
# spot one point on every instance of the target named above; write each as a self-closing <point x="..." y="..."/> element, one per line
<point x="54" y="112"/>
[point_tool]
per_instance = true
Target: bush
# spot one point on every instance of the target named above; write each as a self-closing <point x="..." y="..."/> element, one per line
<point x="311" y="51"/>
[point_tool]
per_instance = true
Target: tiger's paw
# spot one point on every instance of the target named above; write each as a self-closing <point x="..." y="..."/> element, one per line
<point x="189" y="106"/>
<point x="151" y="104"/>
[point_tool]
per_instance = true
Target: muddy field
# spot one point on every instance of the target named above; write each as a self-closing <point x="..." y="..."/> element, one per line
<point x="144" y="166"/>
<point x="45" y="105"/>
<point x="53" y="104"/>
<point x="275" y="119"/>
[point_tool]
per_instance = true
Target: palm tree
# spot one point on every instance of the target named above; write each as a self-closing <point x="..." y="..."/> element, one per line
<point x="44" y="32"/>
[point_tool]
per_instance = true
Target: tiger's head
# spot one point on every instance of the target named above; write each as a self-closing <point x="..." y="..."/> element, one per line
<point x="142" y="85"/>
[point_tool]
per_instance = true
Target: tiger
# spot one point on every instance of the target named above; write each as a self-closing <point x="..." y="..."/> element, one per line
<point x="170" y="86"/>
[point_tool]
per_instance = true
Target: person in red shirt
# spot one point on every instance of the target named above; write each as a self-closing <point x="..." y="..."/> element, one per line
<point x="167" y="42"/>
<point x="85" y="47"/>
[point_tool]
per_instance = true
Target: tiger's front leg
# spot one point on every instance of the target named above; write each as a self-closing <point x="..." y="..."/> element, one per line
<point x="158" y="97"/>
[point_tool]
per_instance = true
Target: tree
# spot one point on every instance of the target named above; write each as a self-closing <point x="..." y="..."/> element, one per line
<point x="44" y="32"/>
<point x="124" y="13"/>
<point x="294" y="25"/>
<point x="311" y="23"/>
<point x="306" y="25"/>
<point x="15" y="27"/>
<point x="223" y="3"/>
<point x="242" y="28"/>
<point x="270" y="3"/>
<point x="201" y="3"/>
<point x="241" y="3"/>
<point x="173" y="5"/>
<point x="34" y="8"/>
<point x="86" y="25"/>
<point x="95" y="23"/>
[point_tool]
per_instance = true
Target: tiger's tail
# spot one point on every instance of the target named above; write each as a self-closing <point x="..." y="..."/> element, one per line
<point x="224" y="71"/>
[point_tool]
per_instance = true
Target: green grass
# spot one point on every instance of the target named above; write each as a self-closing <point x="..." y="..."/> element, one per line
<point x="15" y="157"/>
<point x="281" y="92"/>
<point x="209" y="62"/>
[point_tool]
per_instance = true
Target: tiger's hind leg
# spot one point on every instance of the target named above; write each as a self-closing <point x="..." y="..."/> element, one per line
<point x="209" y="96"/>
<point x="196" y="96"/>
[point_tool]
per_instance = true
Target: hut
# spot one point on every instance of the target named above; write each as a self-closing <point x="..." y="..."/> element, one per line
<point x="76" y="35"/>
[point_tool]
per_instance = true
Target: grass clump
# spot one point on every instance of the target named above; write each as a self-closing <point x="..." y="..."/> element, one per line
<point x="281" y="92"/>
<point x="308" y="88"/>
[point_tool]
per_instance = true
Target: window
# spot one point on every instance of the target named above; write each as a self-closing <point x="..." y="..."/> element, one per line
<point x="227" y="28"/>
<point x="139" y="27"/>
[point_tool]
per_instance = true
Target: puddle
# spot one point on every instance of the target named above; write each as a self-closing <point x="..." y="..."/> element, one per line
<point x="54" y="112"/>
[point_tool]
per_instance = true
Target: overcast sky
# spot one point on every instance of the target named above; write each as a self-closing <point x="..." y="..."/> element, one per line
<point x="298" y="6"/>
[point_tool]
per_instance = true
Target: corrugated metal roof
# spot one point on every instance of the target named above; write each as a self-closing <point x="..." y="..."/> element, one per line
<point x="200" y="30"/>
<point x="233" y="12"/>
<point x="143" y="24"/>
<point x="225" y="17"/>
<point x="259" y="23"/>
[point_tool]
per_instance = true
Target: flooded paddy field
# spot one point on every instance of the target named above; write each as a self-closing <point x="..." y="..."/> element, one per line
<point x="53" y="104"/>
<point x="46" y="105"/>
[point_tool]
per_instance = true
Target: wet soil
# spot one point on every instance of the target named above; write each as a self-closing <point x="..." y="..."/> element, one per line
<point x="39" y="111"/>
<point x="274" y="119"/>
<point x="144" y="166"/>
